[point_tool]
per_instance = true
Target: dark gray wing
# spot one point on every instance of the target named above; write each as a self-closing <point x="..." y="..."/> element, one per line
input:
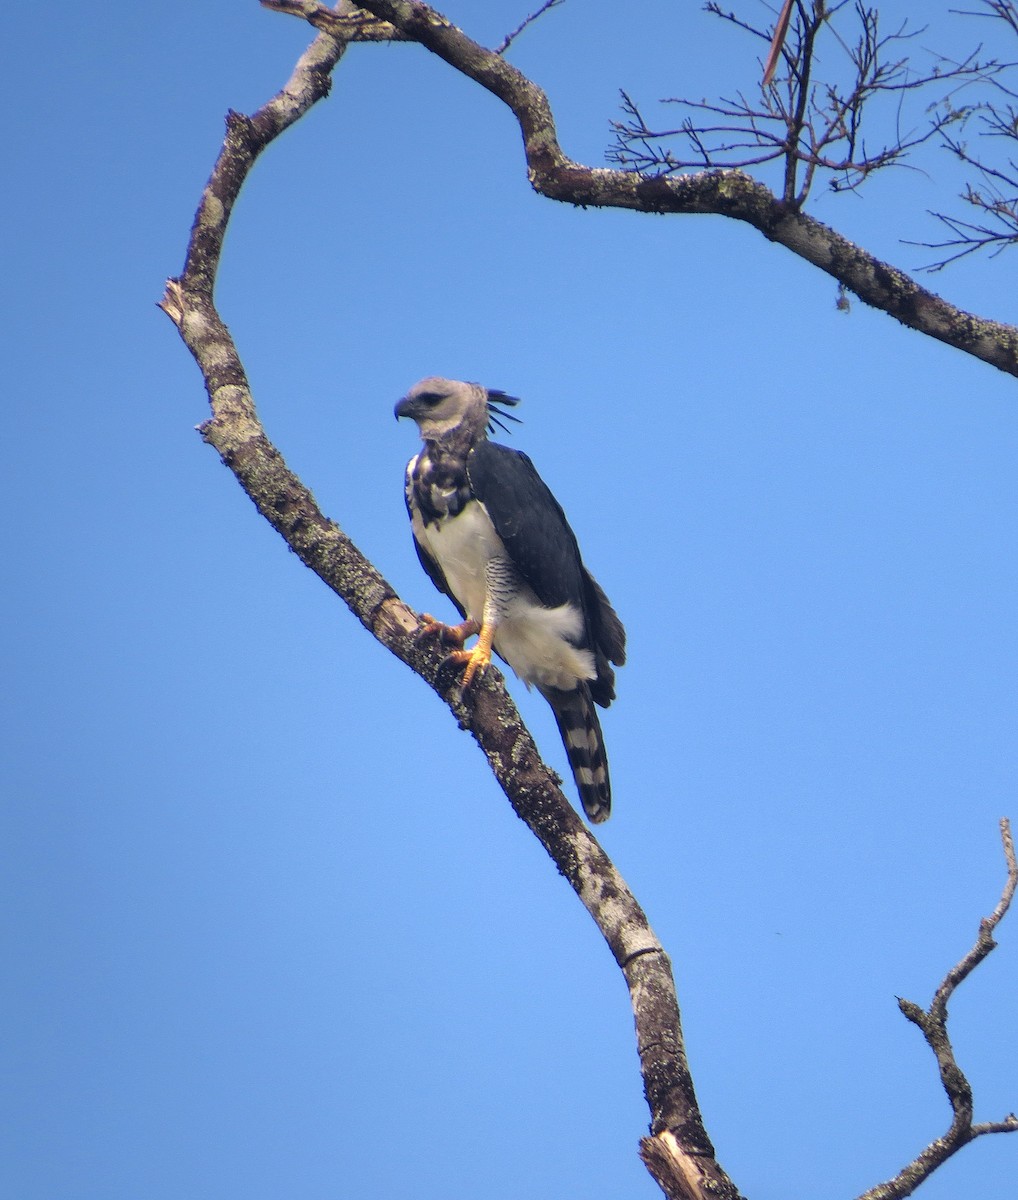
<point x="537" y="537"/>
<point x="530" y="522"/>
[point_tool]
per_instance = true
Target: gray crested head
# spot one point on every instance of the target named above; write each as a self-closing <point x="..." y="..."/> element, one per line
<point x="440" y="406"/>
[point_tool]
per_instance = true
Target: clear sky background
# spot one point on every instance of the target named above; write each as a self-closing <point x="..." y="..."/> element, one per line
<point x="270" y="928"/>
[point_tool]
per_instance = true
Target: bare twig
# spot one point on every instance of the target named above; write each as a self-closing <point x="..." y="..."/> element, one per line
<point x="511" y="37"/>
<point x="970" y="236"/>
<point x="808" y="126"/>
<point x="993" y="122"/>
<point x="1003" y="9"/>
<point x="933" y="1024"/>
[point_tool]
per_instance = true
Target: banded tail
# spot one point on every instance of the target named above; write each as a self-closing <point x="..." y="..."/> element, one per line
<point x="577" y="722"/>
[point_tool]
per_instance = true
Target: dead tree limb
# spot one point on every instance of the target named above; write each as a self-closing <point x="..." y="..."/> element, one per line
<point x="685" y="1165"/>
<point x="932" y="1022"/>
<point x="727" y="193"/>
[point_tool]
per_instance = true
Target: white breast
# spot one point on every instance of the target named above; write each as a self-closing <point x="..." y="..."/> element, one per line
<point x="537" y="642"/>
<point x="462" y="546"/>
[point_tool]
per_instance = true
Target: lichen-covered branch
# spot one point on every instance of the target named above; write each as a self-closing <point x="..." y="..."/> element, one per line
<point x="728" y="193"/>
<point x="933" y="1024"/>
<point x="345" y="23"/>
<point x="690" y="1171"/>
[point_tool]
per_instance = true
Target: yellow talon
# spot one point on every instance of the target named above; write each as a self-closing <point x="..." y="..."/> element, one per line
<point x="478" y="658"/>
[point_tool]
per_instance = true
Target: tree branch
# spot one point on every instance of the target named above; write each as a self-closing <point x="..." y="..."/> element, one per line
<point x="345" y="23"/>
<point x="933" y="1024"/>
<point x="684" y="1162"/>
<point x="509" y="38"/>
<point x="678" y="1153"/>
<point x="728" y="193"/>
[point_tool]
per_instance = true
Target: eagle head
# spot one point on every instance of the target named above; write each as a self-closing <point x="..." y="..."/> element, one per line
<point x="441" y="405"/>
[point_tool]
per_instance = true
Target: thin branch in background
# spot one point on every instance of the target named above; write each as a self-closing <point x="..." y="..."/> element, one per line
<point x="511" y="37"/>
<point x="1002" y="9"/>
<point x="994" y="192"/>
<point x="933" y="1024"/>
<point x="996" y="199"/>
<point x="969" y="237"/>
<point x="809" y="124"/>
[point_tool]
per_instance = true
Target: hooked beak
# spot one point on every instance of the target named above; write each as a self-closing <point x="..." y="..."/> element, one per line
<point x="404" y="408"/>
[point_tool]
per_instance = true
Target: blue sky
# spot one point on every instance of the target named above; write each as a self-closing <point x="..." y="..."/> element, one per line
<point x="270" y="929"/>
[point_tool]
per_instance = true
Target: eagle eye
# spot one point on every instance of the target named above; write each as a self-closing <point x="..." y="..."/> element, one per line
<point x="429" y="398"/>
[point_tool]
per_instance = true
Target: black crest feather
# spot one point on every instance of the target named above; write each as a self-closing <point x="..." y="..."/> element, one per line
<point x="496" y="410"/>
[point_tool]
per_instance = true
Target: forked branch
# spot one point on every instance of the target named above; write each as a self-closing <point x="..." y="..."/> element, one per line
<point x="688" y="1169"/>
<point x="932" y="1022"/>
<point x="985" y="141"/>
<point x="811" y="124"/>
<point x="728" y="193"/>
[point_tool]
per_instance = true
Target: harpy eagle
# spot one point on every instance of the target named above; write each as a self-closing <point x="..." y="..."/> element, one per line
<point x="494" y="539"/>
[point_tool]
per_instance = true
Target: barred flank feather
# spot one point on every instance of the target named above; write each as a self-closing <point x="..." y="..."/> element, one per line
<point x="581" y="735"/>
